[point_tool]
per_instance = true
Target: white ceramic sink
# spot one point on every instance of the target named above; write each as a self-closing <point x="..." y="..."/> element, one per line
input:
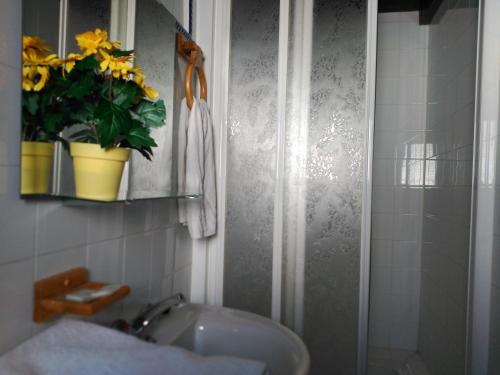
<point x="210" y="330"/>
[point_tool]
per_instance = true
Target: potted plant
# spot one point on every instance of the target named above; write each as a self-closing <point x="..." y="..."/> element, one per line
<point x="42" y="117"/>
<point x="111" y="111"/>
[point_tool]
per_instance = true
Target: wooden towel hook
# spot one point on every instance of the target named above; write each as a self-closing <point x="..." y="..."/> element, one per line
<point x="194" y="55"/>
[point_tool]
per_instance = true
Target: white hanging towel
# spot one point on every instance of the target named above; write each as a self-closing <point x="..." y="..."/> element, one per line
<point x="201" y="214"/>
<point x="181" y="170"/>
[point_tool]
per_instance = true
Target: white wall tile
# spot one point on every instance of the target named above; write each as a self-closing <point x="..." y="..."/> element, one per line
<point x="182" y="282"/>
<point x="382" y="226"/>
<point x="380" y="280"/>
<point x="408" y="200"/>
<point x="388" y="117"/>
<point x="183" y="249"/>
<point x="405" y="281"/>
<point x="388" y="91"/>
<point x="105" y="222"/>
<point x="383" y="199"/>
<point x="383" y="172"/>
<point x="138" y="261"/>
<point x="43" y="238"/>
<point x="406" y="254"/>
<point x="167" y="286"/>
<point x="164" y="213"/>
<point x="60" y="227"/>
<point x="137" y="217"/>
<point x="159" y="253"/>
<point x="10" y="32"/>
<point x="170" y="250"/>
<point x="388" y="35"/>
<point x="381" y="253"/>
<point x="388" y="62"/>
<point x="17" y="224"/>
<point x="379" y="333"/>
<point x="399" y="160"/>
<point x="407" y="227"/>
<point x="404" y="334"/>
<point x="105" y="261"/>
<point x="389" y="17"/>
<point x="61" y="261"/>
<point x="10" y="107"/>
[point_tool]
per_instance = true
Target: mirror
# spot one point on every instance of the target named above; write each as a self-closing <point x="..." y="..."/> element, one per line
<point x="89" y="124"/>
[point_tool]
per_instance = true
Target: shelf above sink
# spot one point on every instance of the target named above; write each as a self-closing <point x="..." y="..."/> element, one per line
<point x="73" y="200"/>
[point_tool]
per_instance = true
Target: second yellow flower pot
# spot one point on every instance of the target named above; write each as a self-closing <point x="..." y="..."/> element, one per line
<point x="98" y="171"/>
<point x="36" y="165"/>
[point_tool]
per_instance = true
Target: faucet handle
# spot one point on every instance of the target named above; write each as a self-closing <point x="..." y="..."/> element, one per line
<point x="154" y="311"/>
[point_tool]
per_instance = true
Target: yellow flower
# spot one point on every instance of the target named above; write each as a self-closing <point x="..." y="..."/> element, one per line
<point x="90" y="41"/>
<point x="28" y="78"/>
<point x="34" y="42"/>
<point x="71" y="61"/>
<point x="119" y="66"/>
<point x="35" y="77"/>
<point x="34" y="57"/>
<point x="37" y="61"/>
<point x="139" y="79"/>
<point x="43" y="71"/>
<point x="150" y="92"/>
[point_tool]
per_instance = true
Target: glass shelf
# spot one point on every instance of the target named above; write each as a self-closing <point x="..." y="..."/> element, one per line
<point x="75" y="200"/>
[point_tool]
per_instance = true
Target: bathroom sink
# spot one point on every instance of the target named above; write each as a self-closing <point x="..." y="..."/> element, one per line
<point x="210" y="330"/>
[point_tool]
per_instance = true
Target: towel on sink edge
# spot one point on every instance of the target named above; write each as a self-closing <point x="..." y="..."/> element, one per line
<point x="73" y="347"/>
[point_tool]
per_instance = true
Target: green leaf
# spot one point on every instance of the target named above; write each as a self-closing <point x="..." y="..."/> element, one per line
<point x="53" y="123"/>
<point x="151" y="114"/>
<point x="139" y="138"/>
<point x="88" y="63"/>
<point x="30" y="102"/>
<point x="84" y="114"/>
<point x="120" y="53"/>
<point x="82" y="87"/>
<point x="112" y="120"/>
<point x="124" y="93"/>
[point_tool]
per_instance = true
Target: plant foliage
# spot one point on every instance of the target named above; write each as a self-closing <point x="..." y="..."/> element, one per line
<point x="106" y="98"/>
<point x="98" y="95"/>
<point x="43" y="115"/>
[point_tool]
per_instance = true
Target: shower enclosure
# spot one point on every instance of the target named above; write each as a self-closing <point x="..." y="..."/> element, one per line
<point x="296" y="138"/>
<point x="422" y="190"/>
<point x="355" y="156"/>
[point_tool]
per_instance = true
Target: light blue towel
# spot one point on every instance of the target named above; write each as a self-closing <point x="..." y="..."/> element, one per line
<point x="73" y="347"/>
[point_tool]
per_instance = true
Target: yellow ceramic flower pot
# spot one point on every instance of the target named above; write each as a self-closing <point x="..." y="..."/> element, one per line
<point x="36" y="165"/>
<point x="98" y="171"/>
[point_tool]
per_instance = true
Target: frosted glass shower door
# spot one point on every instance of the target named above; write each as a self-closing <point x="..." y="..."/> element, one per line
<point x="318" y="203"/>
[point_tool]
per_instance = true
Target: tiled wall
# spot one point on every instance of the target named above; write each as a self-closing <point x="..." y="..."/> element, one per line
<point x="398" y="180"/>
<point x="138" y="244"/>
<point x="448" y="184"/>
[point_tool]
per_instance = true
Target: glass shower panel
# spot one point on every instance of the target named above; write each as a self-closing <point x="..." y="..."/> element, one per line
<point x="325" y="135"/>
<point x="251" y="155"/>
<point x="448" y="190"/>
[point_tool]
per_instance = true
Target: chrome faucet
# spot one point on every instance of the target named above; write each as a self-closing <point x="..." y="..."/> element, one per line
<point x="154" y="312"/>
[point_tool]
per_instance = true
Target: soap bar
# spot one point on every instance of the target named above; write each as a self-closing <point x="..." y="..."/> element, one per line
<point x="87" y="295"/>
<point x="105" y="290"/>
<point x="81" y="295"/>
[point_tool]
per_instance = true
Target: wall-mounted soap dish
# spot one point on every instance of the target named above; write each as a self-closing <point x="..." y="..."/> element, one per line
<point x="51" y="300"/>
